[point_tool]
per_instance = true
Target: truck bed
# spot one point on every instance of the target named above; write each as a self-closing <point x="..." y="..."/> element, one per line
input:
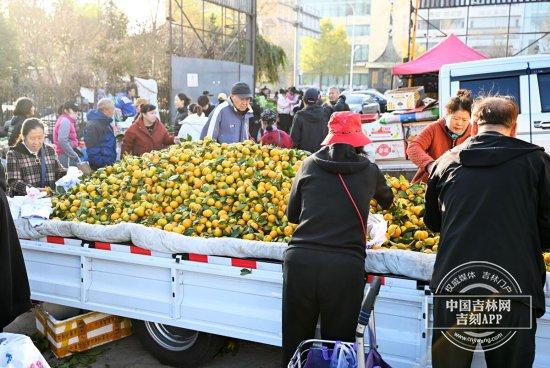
<point x="238" y="298"/>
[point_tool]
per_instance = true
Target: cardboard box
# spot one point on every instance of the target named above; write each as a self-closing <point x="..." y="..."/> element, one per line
<point x="383" y="132"/>
<point x="404" y="98"/>
<point x="411" y="130"/>
<point x="82" y="332"/>
<point x="389" y="150"/>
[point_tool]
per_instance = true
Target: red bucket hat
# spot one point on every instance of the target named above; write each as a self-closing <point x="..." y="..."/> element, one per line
<point x="345" y="127"/>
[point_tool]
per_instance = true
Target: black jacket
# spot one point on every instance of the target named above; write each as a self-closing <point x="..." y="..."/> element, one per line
<point x="309" y="128"/>
<point x="14" y="285"/>
<point x="181" y="114"/>
<point x="338" y="105"/>
<point x="490" y="199"/>
<point x="319" y="204"/>
<point x="14" y="130"/>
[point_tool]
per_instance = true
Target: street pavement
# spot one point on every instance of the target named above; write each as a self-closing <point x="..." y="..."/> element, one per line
<point x="128" y="352"/>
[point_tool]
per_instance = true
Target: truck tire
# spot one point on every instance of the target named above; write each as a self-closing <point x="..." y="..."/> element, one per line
<point x="175" y="346"/>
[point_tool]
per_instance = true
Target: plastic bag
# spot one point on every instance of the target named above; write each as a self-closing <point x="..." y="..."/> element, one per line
<point x="344" y="356"/>
<point x="318" y="357"/>
<point x="376" y="228"/>
<point x="18" y="351"/>
<point x="70" y="179"/>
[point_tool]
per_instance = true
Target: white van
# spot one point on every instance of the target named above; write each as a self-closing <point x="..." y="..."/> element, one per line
<point x="526" y="78"/>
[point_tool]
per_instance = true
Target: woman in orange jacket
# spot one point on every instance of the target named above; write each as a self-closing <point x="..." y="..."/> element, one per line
<point x="442" y="135"/>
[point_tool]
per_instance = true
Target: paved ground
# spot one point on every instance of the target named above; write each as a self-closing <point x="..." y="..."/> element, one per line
<point x="128" y="352"/>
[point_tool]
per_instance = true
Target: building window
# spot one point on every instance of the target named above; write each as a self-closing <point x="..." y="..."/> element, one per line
<point x="360" y="30"/>
<point x="361" y="53"/>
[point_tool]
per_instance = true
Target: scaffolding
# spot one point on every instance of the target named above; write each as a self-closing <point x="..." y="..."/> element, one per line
<point x="213" y="29"/>
<point x="503" y="36"/>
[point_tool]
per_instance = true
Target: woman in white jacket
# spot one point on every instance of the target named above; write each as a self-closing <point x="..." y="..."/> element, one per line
<point x="192" y="125"/>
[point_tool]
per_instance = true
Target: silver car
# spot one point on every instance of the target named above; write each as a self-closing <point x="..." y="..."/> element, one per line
<point x="362" y="103"/>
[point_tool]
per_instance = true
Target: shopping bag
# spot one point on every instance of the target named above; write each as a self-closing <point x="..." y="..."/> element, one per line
<point x="376" y="228"/>
<point x="71" y="178"/>
<point x="343" y="356"/>
<point x="18" y="351"/>
<point x="318" y="357"/>
<point x="373" y="359"/>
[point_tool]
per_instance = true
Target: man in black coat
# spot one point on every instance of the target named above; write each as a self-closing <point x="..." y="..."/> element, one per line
<point x="490" y="199"/>
<point x="309" y="126"/>
<point x="14" y="285"/>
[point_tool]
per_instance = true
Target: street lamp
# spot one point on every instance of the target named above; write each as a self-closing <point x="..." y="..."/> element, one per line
<point x="352" y="47"/>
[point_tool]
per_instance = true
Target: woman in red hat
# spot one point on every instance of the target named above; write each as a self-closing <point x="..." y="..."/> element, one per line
<point x="324" y="263"/>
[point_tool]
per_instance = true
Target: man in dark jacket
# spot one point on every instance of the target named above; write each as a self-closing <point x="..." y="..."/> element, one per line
<point x="336" y="102"/>
<point x="490" y="199"/>
<point x="99" y="136"/>
<point x="309" y="127"/>
<point x="14" y="284"/>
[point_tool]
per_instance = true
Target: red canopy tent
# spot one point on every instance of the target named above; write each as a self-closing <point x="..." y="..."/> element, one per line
<point x="450" y="50"/>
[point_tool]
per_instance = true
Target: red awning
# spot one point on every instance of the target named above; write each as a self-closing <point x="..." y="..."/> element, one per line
<point x="450" y="50"/>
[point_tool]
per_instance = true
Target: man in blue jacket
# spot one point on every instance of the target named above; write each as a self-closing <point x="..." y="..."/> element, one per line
<point x="228" y="122"/>
<point x="125" y="101"/>
<point x="99" y="136"/>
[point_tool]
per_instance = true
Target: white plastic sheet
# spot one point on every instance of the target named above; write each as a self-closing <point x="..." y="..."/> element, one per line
<point x="18" y="351"/>
<point x="70" y="179"/>
<point x="411" y="264"/>
<point x="153" y="239"/>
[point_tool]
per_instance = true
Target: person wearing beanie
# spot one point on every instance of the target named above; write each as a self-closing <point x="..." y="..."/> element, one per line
<point x="324" y="265"/>
<point x="271" y="135"/>
<point x="309" y="126"/>
<point x="146" y="134"/>
<point x="229" y="121"/>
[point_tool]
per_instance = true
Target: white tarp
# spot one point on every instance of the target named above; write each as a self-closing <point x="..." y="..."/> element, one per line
<point x="415" y="265"/>
<point x="397" y="262"/>
<point x="411" y="264"/>
<point x="147" y="88"/>
<point x="153" y="239"/>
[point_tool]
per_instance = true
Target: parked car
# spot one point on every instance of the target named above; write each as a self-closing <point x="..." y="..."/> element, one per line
<point x="378" y="97"/>
<point x="362" y="103"/>
<point x="370" y="105"/>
